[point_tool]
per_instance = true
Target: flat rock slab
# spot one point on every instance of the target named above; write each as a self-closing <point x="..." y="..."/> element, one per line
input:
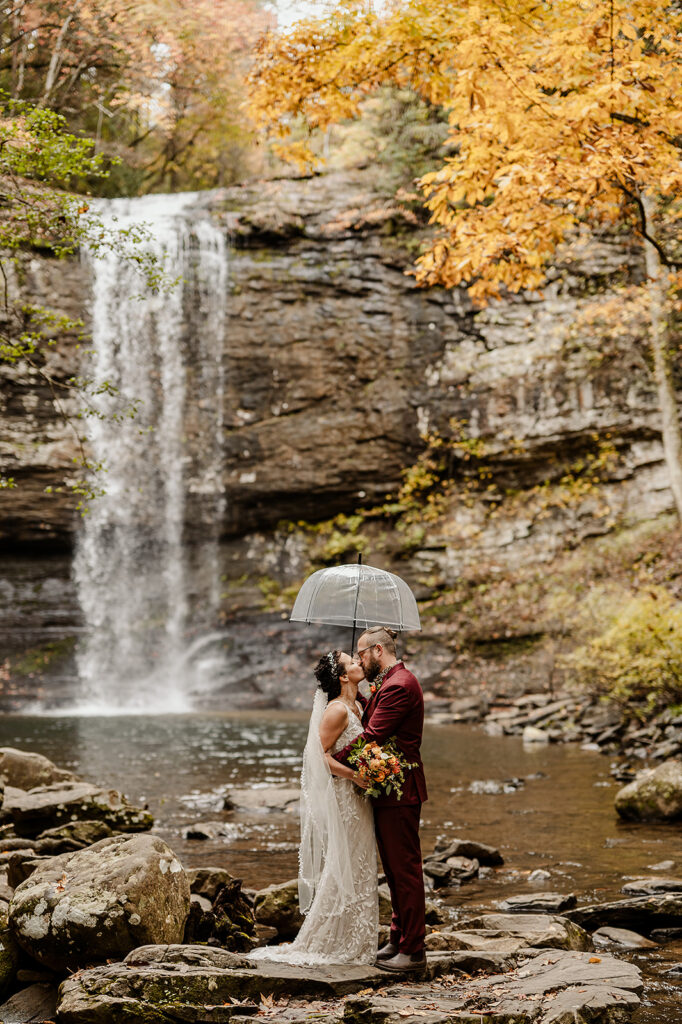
<point x="539" y="903"/>
<point x="164" y="984"/>
<point x="47" y="807"/>
<point x="621" y="937"/>
<point x="639" y="913"/>
<point x="651" y="886"/>
<point x="552" y="987"/>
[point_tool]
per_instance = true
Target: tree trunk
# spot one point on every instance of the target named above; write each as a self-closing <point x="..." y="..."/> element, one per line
<point x="56" y="58"/>
<point x="670" y="424"/>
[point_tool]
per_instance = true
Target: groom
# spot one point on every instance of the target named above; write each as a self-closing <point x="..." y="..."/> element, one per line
<point x="396" y="708"/>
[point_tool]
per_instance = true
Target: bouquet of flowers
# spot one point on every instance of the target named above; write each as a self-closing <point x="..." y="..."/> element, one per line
<point x="385" y="766"/>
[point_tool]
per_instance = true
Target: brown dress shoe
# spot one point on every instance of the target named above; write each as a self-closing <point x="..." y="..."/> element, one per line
<point x="387" y="952"/>
<point x="404" y="963"/>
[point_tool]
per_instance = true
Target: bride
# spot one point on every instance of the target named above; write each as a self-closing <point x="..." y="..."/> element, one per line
<point x="337" y="878"/>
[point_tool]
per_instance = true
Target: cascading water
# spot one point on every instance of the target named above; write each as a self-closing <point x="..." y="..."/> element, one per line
<point x="144" y="610"/>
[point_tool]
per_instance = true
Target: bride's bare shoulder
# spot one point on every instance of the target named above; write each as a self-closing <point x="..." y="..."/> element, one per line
<point x="335" y="712"/>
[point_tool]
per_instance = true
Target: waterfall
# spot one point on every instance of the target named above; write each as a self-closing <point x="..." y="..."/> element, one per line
<point x="143" y="604"/>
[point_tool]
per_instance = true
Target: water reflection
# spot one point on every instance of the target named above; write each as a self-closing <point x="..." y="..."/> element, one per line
<point x="548" y="809"/>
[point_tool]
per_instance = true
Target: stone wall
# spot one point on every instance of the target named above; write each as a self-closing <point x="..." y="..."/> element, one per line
<point x="336" y="364"/>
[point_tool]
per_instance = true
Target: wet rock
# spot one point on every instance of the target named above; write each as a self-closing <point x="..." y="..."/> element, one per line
<point x="277" y="907"/>
<point x="9" y="952"/>
<point x="623" y="938"/>
<point x="539" y="903"/>
<point x="666" y="934"/>
<point x="655" y="794"/>
<point x="639" y="913"/>
<point x="662" y="865"/>
<point x="531" y="734"/>
<point x="457" y="847"/>
<point x="209" y="830"/>
<point x="101" y="902"/>
<point x="206" y="881"/>
<point x="451" y="871"/>
<point x="33" y="1005"/>
<point x="226" y="919"/>
<point x="650" y="886"/>
<point x="25" y="770"/>
<point x="191" y="983"/>
<point x="48" y="807"/>
<point x="509" y="933"/>
<point x="556" y="986"/>
<point x="468" y="709"/>
<point x="494" y="786"/>
<point x="21" y="865"/>
<point x="385" y="906"/>
<point x="74" y="835"/>
<point x="267" y="799"/>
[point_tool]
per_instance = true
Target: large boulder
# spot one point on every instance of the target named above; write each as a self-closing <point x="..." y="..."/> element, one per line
<point x="48" y="807"/>
<point x="35" y="1004"/>
<point x="9" y="951"/>
<point x="655" y="795"/>
<point x="25" y="770"/>
<point x="277" y="907"/>
<point x="84" y="907"/>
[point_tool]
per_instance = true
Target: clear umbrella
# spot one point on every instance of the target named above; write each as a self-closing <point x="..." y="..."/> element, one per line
<point x="356" y="595"/>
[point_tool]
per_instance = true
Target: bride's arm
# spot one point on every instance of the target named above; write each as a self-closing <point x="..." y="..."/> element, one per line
<point x="332" y="725"/>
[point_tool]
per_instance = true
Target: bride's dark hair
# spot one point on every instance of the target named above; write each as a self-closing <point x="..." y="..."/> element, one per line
<point x="328" y="672"/>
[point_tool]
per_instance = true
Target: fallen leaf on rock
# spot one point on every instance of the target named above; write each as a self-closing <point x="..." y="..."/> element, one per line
<point x="594" y="960"/>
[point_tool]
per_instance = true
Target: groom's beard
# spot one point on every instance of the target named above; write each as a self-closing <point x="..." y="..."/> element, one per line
<point x="372" y="668"/>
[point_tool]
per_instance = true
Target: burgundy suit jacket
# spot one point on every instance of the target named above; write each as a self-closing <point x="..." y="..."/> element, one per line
<point x="396" y="710"/>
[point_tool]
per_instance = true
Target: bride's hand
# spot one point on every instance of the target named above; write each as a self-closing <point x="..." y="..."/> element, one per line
<point x="361" y="781"/>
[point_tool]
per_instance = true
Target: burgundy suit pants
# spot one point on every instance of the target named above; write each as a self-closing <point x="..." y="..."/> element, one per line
<point x="397" y="831"/>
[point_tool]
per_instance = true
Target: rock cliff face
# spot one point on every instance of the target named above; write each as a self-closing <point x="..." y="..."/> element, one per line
<point x="337" y="364"/>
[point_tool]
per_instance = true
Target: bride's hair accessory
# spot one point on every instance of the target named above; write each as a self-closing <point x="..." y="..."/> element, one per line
<point x="328" y="672"/>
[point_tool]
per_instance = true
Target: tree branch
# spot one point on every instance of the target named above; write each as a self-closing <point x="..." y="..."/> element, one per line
<point x="666" y="260"/>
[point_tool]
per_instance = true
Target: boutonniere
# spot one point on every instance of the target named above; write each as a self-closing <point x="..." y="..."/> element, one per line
<point x="376" y="685"/>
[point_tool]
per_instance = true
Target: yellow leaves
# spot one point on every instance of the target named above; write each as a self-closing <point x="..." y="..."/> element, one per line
<point x="554" y="111"/>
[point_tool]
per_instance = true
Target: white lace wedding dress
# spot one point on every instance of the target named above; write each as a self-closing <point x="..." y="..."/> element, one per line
<point x="337" y="864"/>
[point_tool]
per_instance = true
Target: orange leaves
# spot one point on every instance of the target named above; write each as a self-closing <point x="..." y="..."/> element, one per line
<point x="558" y="114"/>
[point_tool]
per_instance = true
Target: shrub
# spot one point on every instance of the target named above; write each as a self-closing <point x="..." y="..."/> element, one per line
<point x="637" y="658"/>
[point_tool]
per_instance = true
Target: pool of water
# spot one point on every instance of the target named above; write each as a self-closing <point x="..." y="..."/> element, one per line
<point x="544" y="807"/>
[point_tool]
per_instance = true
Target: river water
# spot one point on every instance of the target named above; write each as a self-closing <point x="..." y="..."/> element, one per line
<point x="545" y="807"/>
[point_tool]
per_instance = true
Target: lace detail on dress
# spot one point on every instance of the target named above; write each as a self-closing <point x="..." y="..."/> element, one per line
<point x="341" y="926"/>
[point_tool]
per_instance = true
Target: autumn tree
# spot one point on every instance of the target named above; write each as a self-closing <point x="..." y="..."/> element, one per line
<point x="157" y="83"/>
<point x="39" y="159"/>
<point x="564" y="118"/>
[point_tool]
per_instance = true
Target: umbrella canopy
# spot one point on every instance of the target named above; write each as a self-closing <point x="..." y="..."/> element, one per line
<point x="356" y="595"/>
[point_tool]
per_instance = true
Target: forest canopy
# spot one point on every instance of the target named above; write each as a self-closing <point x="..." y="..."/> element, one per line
<point x="156" y="84"/>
